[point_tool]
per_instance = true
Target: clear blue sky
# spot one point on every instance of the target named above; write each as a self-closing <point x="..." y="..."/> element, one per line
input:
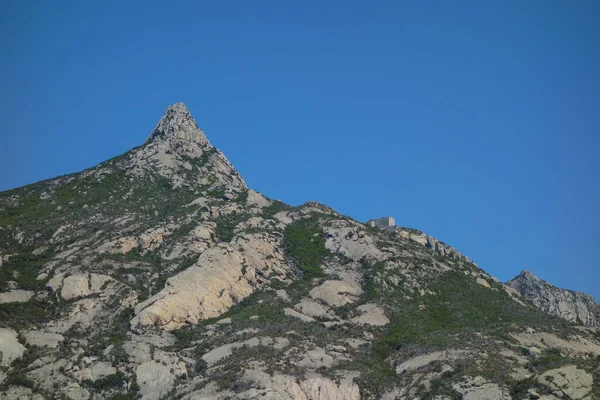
<point x="477" y="122"/>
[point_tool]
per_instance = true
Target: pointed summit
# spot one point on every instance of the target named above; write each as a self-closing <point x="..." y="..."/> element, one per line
<point x="177" y="122"/>
<point x="529" y="275"/>
<point x="178" y="150"/>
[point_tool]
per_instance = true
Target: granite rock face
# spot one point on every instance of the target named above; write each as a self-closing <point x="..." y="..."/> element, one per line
<point x="223" y="276"/>
<point x="576" y="307"/>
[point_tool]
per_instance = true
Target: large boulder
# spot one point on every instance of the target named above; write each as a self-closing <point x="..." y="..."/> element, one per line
<point x="336" y="293"/>
<point x="82" y="285"/>
<point x="155" y="380"/>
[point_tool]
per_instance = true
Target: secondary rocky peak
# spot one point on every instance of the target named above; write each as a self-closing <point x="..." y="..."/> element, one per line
<point x="576" y="307"/>
<point x="177" y="122"/>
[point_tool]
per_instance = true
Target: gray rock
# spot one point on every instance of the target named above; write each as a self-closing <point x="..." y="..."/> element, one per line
<point x="574" y="383"/>
<point x="480" y="389"/>
<point x="155" y="380"/>
<point x="43" y="339"/>
<point x="351" y="241"/>
<point x="20" y="393"/>
<point x="16" y="296"/>
<point x="10" y="348"/>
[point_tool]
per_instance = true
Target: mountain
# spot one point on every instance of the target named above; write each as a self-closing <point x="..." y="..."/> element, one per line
<point x="576" y="307"/>
<point x="159" y="274"/>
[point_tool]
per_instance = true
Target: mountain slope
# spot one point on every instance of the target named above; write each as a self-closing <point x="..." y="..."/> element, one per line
<point x="159" y="274"/>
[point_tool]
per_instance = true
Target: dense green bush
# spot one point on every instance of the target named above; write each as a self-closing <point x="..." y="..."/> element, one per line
<point x="549" y="359"/>
<point x="24" y="268"/>
<point x="23" y="315"/>
<point x="113" y="381"/>
<point x="304" y="241"/>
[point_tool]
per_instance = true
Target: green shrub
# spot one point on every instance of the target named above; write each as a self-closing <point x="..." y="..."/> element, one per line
<point x="225" y="229"/>
<point x="26" y="267"/>
<point x="113" y="381"/>
<point x="549" y="359"/>
<point x="17" y="379"/>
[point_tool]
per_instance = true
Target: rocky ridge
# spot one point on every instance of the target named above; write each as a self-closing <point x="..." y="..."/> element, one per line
<point x="441" y="248"/>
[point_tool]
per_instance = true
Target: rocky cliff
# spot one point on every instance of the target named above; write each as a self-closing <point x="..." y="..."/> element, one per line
<point x="159" y="275"/>
<point x="577" y="307"/>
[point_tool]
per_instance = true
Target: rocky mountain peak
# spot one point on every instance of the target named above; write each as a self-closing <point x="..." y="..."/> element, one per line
<point x="177" y="122"/>
<point x="526" y="274"/>
<point x="178" y="150"/>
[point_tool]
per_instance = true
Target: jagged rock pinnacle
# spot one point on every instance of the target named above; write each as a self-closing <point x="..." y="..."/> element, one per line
<point x="174" y="141"/>
<point x="528" y="274"/>
<point x="177" y="122"/>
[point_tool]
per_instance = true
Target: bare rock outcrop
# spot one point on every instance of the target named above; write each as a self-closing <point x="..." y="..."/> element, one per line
<point x="576" y="307"/>
<point x="302" y="317"/>
<point x="223" y="276"/>
<point x="257" y="200"/>
<point x="16" y="296"/>
<point x="43" y="339"/>
<point x="20" y="393"/>
<point x="351" y="240"/>
<point x="196" y="241"/>
<point x="568" y="382"/>
<point x="216" y="355"/>
<point x="95" y="371"/>
<point x="478" y="388"/>
<point x="336" y="293"/>
<point x="423" y="360"/>
<point x="119" y="246"/>
<point x="279" y="386"/>
<point x="370" y="314"/>
<point x="320" y="388"/>
<point x="155" y="380"/>
<point x="82" y="285"/>
<point x="10" y="348"/>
